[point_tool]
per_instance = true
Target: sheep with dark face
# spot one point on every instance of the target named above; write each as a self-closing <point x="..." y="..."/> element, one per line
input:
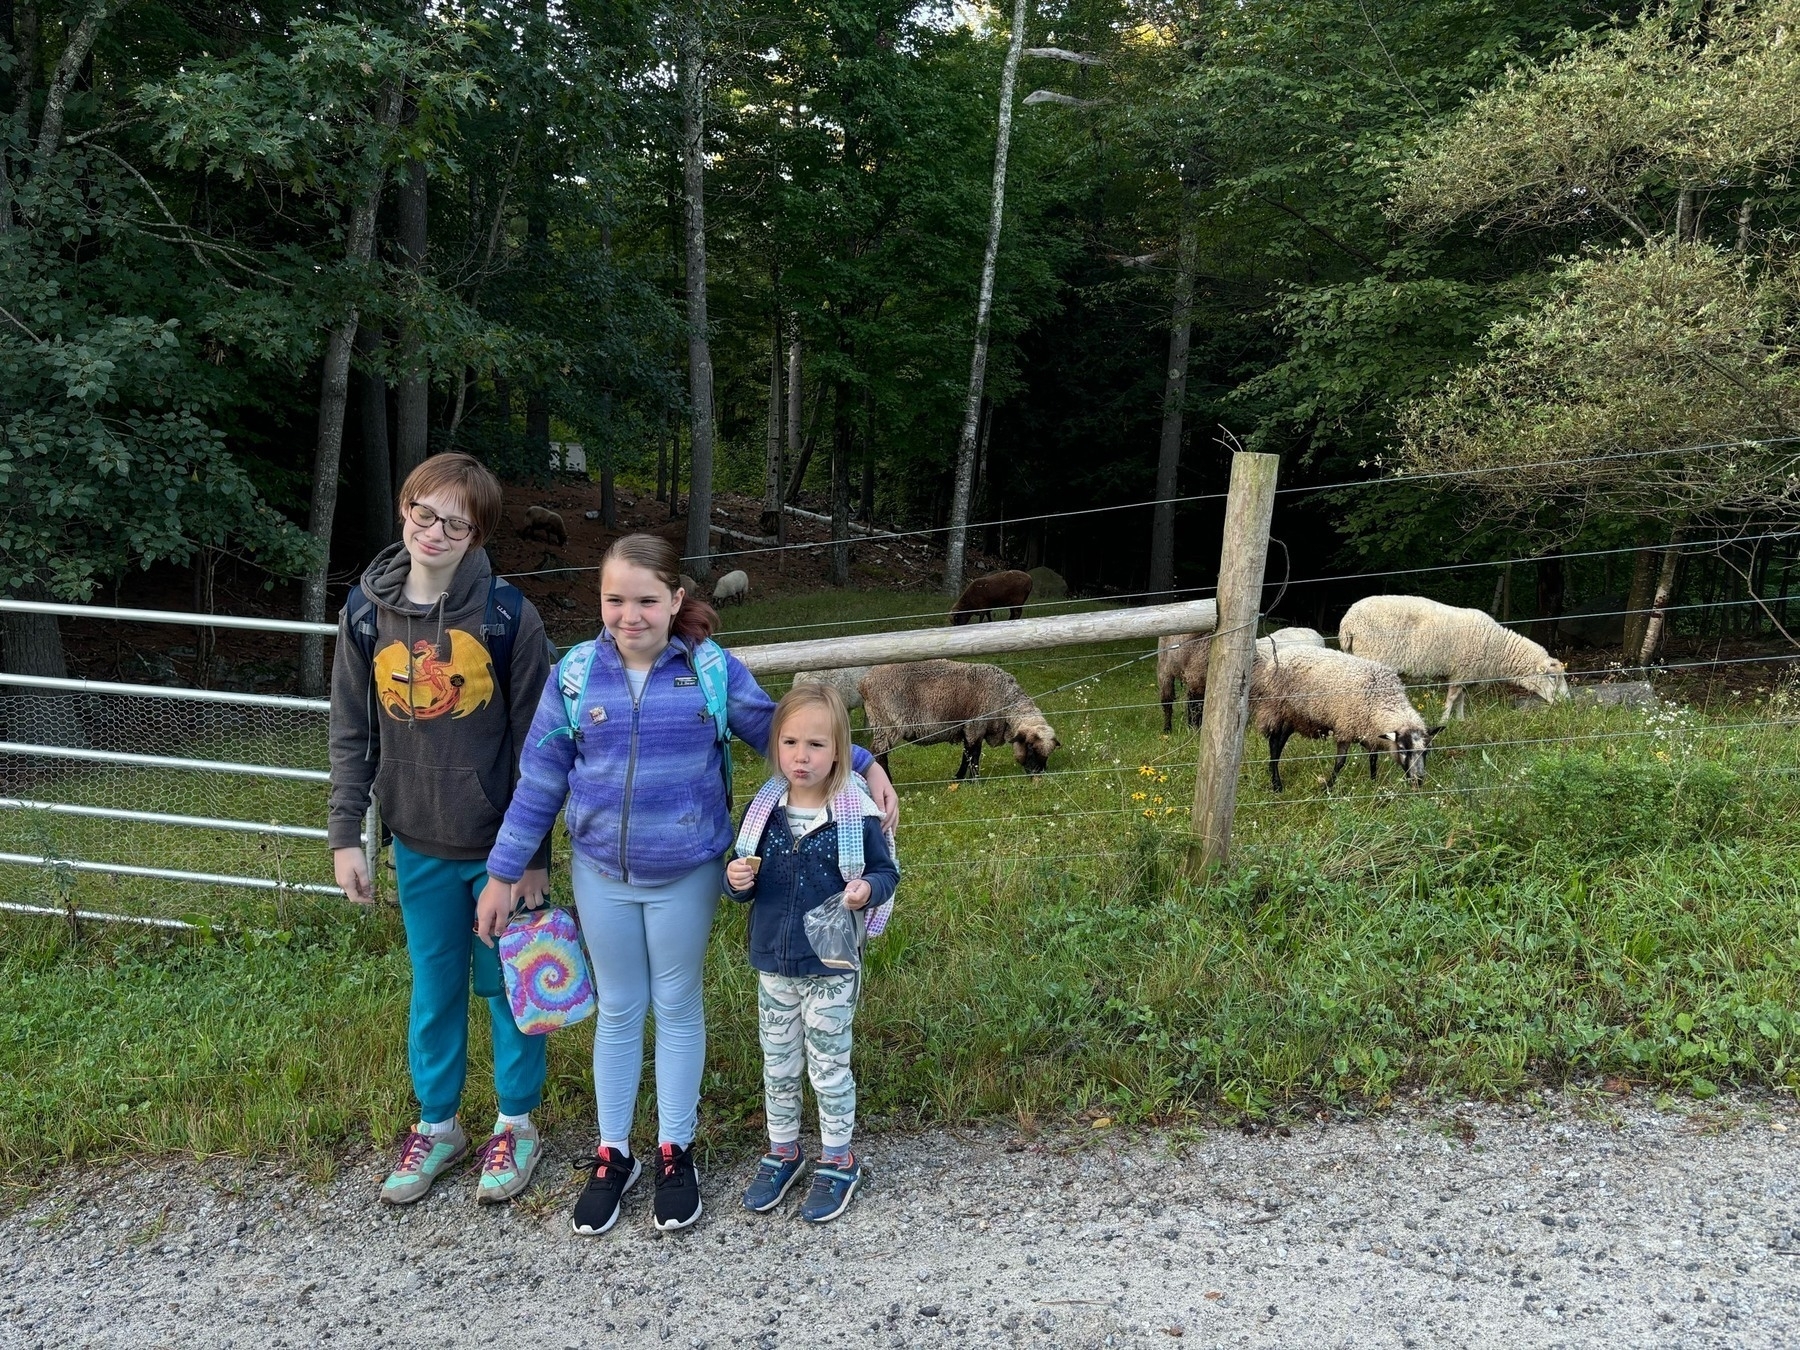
<point x="934" y="702"/>
<point x="998" y="590"/>
<point x="1330" y="695"/>
<point x="1182" y="657"/>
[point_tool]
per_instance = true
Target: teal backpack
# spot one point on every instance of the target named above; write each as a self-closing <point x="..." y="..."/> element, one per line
<point x="708" y="661"/>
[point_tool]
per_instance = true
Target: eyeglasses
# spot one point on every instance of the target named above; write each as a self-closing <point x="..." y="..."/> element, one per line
<point x="424" y="517"/>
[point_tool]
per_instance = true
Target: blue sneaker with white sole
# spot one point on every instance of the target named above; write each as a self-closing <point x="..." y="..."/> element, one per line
<point x="775" y="1176"/>
<point x="833" y="1187"/>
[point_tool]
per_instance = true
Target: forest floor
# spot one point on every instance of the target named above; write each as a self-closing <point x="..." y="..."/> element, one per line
<point x="1553" y="1222"/>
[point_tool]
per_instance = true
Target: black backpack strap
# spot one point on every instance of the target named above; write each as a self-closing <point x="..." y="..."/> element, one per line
<point x="361" y="613"/>
<point x="499" y="626"/>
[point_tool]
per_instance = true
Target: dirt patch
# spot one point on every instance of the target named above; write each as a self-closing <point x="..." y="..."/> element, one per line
<point x="1586" y="1220"/>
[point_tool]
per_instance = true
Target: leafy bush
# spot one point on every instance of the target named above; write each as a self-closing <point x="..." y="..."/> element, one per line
<point x="1615" y="806"/>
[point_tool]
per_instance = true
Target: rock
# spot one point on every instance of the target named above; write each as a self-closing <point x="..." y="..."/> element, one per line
<point x="593" y="515"/>
<point x="1622" y="694"/>
<point x="1047" y="585"/>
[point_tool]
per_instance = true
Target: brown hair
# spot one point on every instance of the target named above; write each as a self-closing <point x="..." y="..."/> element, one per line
<point x="469" y="479"/>
<point x="695" y="621"/>
<point x="824" y="696"/>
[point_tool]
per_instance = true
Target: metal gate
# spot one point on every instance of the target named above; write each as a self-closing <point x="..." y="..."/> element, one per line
<point x="161" y="803"/>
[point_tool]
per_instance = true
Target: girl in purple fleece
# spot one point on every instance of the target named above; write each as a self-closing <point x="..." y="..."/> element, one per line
<point x="649" y="824"/>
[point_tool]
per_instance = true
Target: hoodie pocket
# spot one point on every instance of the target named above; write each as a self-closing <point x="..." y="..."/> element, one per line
<point x="444" y="805"/>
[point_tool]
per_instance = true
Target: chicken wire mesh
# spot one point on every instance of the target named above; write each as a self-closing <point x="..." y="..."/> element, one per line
<point x="79" y="764"/>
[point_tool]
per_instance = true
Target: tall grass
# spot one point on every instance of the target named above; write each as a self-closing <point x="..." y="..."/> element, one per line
<point x="1576" y="891"/>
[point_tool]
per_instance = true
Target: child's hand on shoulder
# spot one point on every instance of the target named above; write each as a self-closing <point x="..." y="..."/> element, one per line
<point x="856" y="894"/>
<point x="740" y="873"/>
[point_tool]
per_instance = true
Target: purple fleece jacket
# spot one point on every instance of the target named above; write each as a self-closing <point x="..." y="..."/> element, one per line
<point x="644" y="784"/>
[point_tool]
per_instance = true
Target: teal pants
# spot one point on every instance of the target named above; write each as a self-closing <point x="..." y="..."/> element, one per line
<point x="437" y="902"/>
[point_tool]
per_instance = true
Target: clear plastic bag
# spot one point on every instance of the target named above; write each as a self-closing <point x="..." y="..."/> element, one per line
<point x="836" y="933"/>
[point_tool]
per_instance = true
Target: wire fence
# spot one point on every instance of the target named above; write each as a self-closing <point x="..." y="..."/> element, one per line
<point x="164" y="802"/>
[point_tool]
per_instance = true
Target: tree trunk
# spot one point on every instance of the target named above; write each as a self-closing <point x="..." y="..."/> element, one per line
<point x="31" y="644"/>
<point x="1550" y="588"/>
<point x="1168" y="459"/>
<point x="537" y="431"/>
<point x="984" y="304"/>
<point x="865" y="506"/>
<point x="68" y="67"/>
<point x="1684" y="215"/>
<point x="334" y="390"/>
<point x="803" y="459"/>
<point x="1656" y="627"/>
<point x="662" y="469"/>
<point x="700" y="373"/>
<point x="375" y="493"/>
<point x="411" y="395"/>
<point x="773" y="476"/>
<point x="842" y="438"/>
<point x="1638" y="598"/>
<point x="609" y="495"/>
<point x="1744" y="215"/>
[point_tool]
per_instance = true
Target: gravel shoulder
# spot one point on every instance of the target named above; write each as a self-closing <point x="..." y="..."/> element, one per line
<point x="1583" y="1221"/>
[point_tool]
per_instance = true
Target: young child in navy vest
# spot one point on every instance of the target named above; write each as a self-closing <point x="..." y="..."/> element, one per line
<point x="810" y="833"/>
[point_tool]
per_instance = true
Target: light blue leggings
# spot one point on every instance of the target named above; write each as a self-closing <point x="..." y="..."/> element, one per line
<point x="648" y="946"/>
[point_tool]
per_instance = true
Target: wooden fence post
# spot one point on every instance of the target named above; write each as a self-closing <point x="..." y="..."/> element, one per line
<point x="1248" y="507"/>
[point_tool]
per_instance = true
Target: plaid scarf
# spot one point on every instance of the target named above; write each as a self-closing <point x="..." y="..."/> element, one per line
<point x="847" y="807"/>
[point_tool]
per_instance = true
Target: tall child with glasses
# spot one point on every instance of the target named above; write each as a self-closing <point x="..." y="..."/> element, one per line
<point x="433" y="684"/>
<point x="809" y="834"/>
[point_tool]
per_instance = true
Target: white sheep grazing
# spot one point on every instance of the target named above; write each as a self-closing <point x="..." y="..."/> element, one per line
<point x="1426" y="640"/>
<point x="731" y="586"/>
<point x="847" y="680"/>
<point x="1183" y="657"/>
<point x="1322" y="694"/>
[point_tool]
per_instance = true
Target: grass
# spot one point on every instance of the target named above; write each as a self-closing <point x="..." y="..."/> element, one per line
<point x="1576" y="892"/>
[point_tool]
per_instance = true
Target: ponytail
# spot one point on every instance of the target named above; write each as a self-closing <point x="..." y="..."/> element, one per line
<point x="696" y="620"/>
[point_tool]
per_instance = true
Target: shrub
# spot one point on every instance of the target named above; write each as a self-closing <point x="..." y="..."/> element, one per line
<point x="1616" y="806"/>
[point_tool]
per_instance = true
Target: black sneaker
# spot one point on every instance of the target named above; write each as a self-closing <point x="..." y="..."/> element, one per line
<point x="677" y="1188"/>
<point x="598" y="1208"/>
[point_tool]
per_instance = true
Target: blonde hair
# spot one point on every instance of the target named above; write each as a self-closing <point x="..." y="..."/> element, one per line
<point x="817" y="696"/>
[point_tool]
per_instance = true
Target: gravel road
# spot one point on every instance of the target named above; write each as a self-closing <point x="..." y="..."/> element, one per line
<point x="1584" y="1220"/>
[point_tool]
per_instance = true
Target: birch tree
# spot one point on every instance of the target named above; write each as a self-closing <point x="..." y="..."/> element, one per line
<point x="984" y="308"/>
<point x="700" y="371"/>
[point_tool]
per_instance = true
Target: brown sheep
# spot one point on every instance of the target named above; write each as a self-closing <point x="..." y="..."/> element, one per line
<point x="543" y="523"/>
<point x="998" y="590"/>
<point x="932" y="702"/>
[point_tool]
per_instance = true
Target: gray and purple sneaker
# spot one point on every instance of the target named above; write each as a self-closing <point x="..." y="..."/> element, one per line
<point x="423" y="1159"/>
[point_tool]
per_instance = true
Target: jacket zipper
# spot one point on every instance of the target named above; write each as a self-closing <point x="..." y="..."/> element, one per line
<point x="630" y="773"/>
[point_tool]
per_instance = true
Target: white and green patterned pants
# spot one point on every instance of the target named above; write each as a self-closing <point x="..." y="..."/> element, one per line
<point x="805" y="1020"/>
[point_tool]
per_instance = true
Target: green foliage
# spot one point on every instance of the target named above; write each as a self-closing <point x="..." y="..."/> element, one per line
<point x="1664" y="341"/>
<point x="1595" y="806"/>
<point x="1575" y="891"/>
<point x="108" y="459"/>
